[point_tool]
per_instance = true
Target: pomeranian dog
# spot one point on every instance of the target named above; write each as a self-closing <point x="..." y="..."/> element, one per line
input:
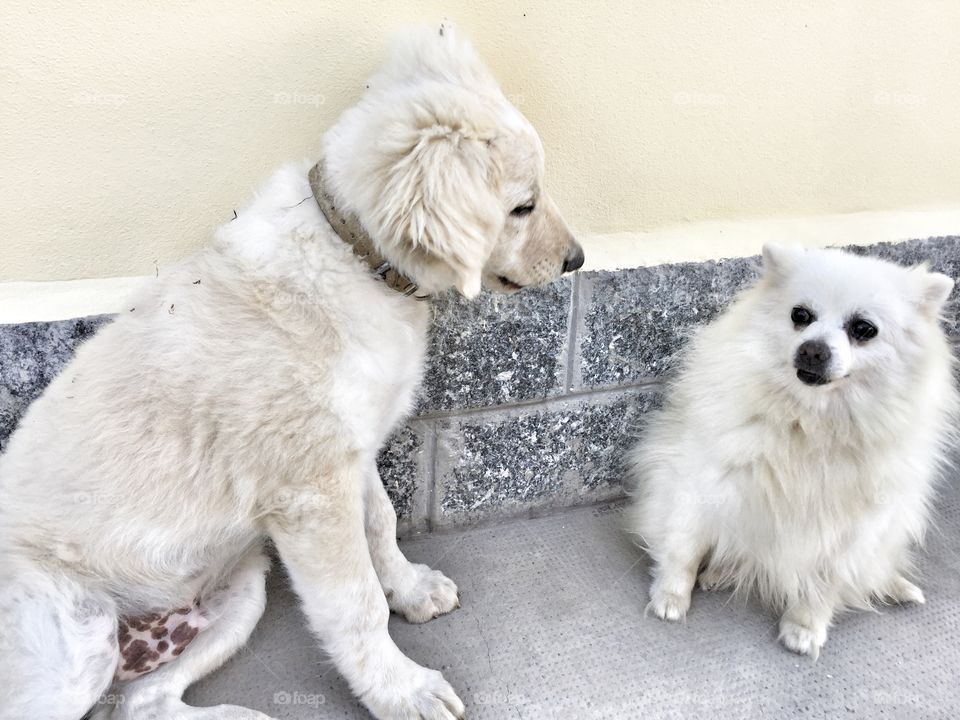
<point x="797" y="451"/>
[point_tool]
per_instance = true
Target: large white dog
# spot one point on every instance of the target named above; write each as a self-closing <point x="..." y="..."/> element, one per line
<point x="797" y="453"/>
<point x="245" y="395"/>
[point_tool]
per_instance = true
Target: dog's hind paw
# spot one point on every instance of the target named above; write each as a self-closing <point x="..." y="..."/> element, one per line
<point x="711" y="579"/>
<point x="902" y="590"/>
<point x="802" y="639"/>
<point x="425" y="595"/>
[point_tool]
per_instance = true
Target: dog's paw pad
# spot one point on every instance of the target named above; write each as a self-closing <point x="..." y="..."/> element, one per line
<point x="426" y="595"/>
<point x="801" y="639"/>
<point x="669" y="606"/>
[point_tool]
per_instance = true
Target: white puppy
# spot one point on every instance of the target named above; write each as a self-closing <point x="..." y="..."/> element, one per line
<point x="797" y="452"/>
<point x="245" y="396"/>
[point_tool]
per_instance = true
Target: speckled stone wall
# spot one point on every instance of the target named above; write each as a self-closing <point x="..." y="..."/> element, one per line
<point x="530" y="401"/>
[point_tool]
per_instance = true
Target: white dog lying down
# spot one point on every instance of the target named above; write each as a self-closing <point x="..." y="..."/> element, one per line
<point x="246" y="395"/>
<point x="798" y="449"/>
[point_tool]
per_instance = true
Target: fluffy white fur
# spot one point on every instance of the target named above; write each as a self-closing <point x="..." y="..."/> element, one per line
<point x="810" y="495"/>
<point x="246" y="394"/>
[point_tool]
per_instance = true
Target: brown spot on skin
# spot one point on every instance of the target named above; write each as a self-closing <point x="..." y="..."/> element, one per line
<point x="148" y="641"/>
<point x="181" y="635"/>
<point x="135" y="654"/>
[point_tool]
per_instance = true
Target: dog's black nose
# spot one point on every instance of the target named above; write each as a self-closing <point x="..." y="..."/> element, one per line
<point x="574" y="259"/>
<point x="812" y="360"/>
<point x="813" y="355"/>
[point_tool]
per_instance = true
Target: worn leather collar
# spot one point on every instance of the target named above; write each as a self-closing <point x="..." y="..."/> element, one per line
<point x="350" y="230"/>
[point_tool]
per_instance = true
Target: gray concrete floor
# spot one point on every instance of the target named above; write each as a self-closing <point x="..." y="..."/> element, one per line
<point x="552" y="626"/>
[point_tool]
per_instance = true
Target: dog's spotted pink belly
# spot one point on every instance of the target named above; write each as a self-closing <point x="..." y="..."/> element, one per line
<point x="149" y="641"/>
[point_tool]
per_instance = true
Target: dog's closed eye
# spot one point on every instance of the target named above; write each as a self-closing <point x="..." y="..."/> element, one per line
<point x="523" y="210"/>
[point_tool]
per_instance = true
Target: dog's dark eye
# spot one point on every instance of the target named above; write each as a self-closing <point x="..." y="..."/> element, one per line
<point x="862" y="330"/>
<point x="802" y="317"/>
<point x="521" y="210"/>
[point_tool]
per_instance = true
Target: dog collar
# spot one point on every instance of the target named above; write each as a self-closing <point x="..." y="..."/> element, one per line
<point x="350" y="230"/>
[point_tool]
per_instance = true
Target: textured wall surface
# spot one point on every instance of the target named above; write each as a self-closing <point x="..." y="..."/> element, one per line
<point x="530" y="400"/>
<point x="131" y="129"/>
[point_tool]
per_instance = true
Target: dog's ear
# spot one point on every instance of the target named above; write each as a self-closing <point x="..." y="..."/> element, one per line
<point x="417" y="161"/>
<point x="779" y="261"/>
<point x="935" y="288"/>
<point x="440" y="201"/>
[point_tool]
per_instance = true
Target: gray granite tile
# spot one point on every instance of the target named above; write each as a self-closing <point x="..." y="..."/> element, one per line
<point x="31" y="355"/>
<point x="634" y="322"/>
<point x="509" y="462"/>
<point x="497" y="348"/>
<point x="404" y="465"/>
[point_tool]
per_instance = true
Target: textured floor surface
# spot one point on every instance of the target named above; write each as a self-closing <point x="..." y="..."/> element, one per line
<point x="552" y="627"/>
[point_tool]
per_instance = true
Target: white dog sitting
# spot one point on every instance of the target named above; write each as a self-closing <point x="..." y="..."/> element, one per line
<point x="246" y="395"/>
<point x="797" y="452"/>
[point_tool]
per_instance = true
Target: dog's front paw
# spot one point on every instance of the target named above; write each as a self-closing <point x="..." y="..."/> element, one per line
<point x="802" y="639"/>
<point x="669" y="605"/>
<point x="418" y="694"/>
<point x="423" y="595"/>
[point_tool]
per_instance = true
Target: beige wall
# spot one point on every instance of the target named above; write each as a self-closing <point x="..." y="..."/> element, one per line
<point x="130" y="129"/>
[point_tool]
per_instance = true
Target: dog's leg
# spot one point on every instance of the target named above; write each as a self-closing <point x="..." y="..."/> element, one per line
<point x="414" y="591"/>
<point x="58" y="646"/>
<point x="322" y="542"/>
<point x="803" y="627"/>
<point x="234" y="610"/>
<point x="673" y="579"/>
<point x="681" y="546"/>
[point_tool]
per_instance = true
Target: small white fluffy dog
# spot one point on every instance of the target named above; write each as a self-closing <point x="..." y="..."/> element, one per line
<point x="797" y="452"/>
<point x="246" y="394"/>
